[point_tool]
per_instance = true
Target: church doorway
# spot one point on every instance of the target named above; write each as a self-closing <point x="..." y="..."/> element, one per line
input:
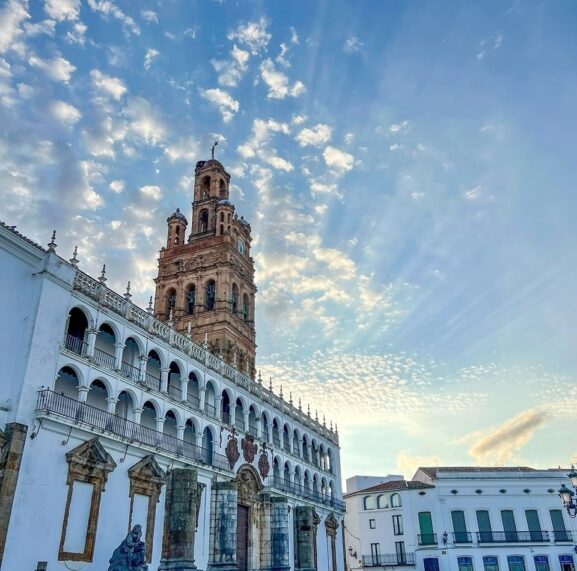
<point x="242" y="530"/>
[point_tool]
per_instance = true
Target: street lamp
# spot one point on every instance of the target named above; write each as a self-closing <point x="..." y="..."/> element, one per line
<point x="567" y="495"/>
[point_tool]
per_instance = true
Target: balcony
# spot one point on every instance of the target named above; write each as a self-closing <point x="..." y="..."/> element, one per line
<point x="513" y="536"/>
<point x="427" y="539"/>
<point x="300" y="490"/>
<point x="562" y="536"/>
<point x="51" y="404"/>
<point x="388" y="560"/>
<point x="460" y="537"/>
<point x="74" y="344"/>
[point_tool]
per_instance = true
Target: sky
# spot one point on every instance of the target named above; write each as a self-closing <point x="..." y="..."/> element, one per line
<point x="408" y="169"/>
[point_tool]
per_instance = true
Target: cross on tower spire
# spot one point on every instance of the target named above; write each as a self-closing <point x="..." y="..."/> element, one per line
<point x="212" y="150"/>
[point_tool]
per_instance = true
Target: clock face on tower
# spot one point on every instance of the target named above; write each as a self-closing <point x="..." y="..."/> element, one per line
<point x="240" y="247"/>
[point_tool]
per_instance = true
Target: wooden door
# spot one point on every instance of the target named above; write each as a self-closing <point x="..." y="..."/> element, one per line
<point x="242" y="538"/>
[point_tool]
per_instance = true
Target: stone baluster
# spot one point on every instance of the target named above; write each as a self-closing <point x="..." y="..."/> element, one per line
<point x="183" y="388"/>
<point x="164" y="380"/>
<point x="90" y="342"/>
<point x="202" y="398"/>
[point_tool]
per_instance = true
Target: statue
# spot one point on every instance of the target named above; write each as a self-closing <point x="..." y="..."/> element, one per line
<point x="130" y="555"/>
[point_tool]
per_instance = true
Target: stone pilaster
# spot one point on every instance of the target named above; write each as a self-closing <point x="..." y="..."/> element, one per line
<point x="306" y="522"/>
<point x="223" y="515"/>
<point x="11" y="449"/>
<point x="279" y="534"/>
<point x="183" y="495"/>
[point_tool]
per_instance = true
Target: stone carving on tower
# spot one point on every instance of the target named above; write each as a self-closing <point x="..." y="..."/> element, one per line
<point x="205" y="284"/>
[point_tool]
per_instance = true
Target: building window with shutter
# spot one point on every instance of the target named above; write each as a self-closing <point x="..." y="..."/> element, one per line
<point x="542" y="563"/>
<point x="465" y="563"/>
<point x="490" y="563"/>
<point x="398" y="524"/>
<point x="516" y="563"/>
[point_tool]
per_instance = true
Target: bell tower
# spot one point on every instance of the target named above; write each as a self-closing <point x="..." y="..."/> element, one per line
<point x="205" y="285"/>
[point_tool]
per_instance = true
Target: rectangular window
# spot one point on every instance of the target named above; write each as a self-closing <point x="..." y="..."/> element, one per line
<point x="375" y="552"/>
<point x="372" y="524"/>
<point x="490" y="563"/>
<point x="459" y="527"/>
<point x="78" y="517"/>
<point x="534" y="525"/>
<point x="484" y="525"/>
<point x="559" y="530"/>
<point x="431" y="564"/>
<point x="509" y="527"/>
<point x="398" y="524"/>
<point x="426" y="537"/>
<point x="516" y="563"/>
<point x="465" y="563"/>
<point x="542" y="563"/>
<point x="400" y="551"/>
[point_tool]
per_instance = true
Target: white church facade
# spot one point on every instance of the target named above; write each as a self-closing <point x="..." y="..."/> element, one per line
<point x="111" y="417"/>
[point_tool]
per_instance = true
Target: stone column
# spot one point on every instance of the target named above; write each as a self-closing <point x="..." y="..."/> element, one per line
<point x="12" y="442"/>
<point x="202" y="398"/>
<point x="306" y="522"/>
<point x="83" y="393"/>
<point x="136" y="414"/>
<point x="222" y="543"/>
<point x="183" y="388"/>
<point x="217" y="407"/>
<point x="143" y="359"/>
<point x="258" y="427"/>
<point x="246" y="420"/>
<point x="118" y="348"/>
<point x="164" y="380"/>
<point x="90" y="342"/>
<point x="279" y="534"/>
<point x="182" y="504"/>
<point x="232" y="415"/>
<point x="111" y="405"/>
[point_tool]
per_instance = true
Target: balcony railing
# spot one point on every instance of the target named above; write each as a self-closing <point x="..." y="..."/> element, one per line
<point x="462" y="537"/>
<point x="104" y="359"/>
<point x="174" y="391"/>
<point x="74" y="344"/>
<point x="210" y="410"/>
<point x="562" y="536"/>
<point x="513" y="536"/>
<point x="388" y="560"/>
<point x="152" y="381"/>
<point x="54" y="404"/>
<point x="299" y="490"/>
<point x="193" y="400"/>
<point x="427" y="539"/>
<point x="130" y="372"/>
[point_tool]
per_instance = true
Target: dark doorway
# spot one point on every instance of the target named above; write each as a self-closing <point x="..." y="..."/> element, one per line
<point x="242" y="538"/>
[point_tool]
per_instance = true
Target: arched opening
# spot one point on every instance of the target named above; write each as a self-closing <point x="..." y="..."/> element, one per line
<point x="190" y="299"/>
<point x="207" y="444"/>
<point x="148" y="416"/>
<point x="203" y="221"/>
<point x="210" y="295"/>
<point x="234" y="299"/>
<point x="298" y="479"/>
<point x="323" y="489"/>
<point x="315" y="484"/>
<point x="174" y="381"/>
<point x="382" y="502"/>
<point x="285" y="439"/>
<point x="245" y="308"/>
<point x="210" y="400"/>
<point x="152" y="377"/>
<point x="169" y="427"/>
<point x="287" y="474"/>
<point x="307" y="481"/>
<point x="330" y="489"/>
<point x="97" y="395"/>
<point x="170" y="301"/>
<point x="275" y="433"/>
<point x="67" y="383"/>
<point x="192" y="391"/>
<point x="396" y="501"/>
<point x="225" y="408"/>
<point x="329" y="461"/>
<point x="239" y="415"/>
<point x="76" y="331"/>
<point x="315" y="453"/>
<point x="252" y="421"/>
<point x="205" y="186"/>
<point x="276" y="470"/>
<point x="125" y="406"/>
<point x="265" y="428"/>
<point x="296" y="442"/>
<point x="306" y="449"/>
<point x="104" y="346"/>
<point x="368" y="503"/>
<point x="130" y="359"/>
<point x="189" y="436"/>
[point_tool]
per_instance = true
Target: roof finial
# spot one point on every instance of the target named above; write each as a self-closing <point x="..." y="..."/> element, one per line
<point x="300" y="404"/>
<point x="270" y="384"/>
<point x="102" y="278"/>
<point x="189" y="329"/>
<point x="324" y="421"/>
<point x="331" y="425"/>
<point x="316" y="415"/>
<point x="309" y="409"/>
<point x="212" y="150"/>
<point x="280" y="394"/>
<point x="259" y="377"/>
<point x="291" y="398"/>
<point x="127" y="295"/>
<point x="336" y="428"/>
<point x="170" y="319"/>
<point x="74" y="259"/>
<point x="52" y="244"/>
<point x="149" y="309"/>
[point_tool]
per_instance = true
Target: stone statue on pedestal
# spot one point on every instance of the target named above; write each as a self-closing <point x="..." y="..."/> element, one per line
<point x="130" y="555"/>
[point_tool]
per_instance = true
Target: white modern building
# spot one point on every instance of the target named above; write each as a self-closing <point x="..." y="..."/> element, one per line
<point x="111" y="418"/>
<point x="460" y="519"/>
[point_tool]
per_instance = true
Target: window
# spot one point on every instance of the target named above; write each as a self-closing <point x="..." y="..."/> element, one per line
<point x="396" y="501"/>
<point x="509" y="526"/>
<point x="558" y="523"/>
<point x="465" y="563"/>
<point x="190" y="299"/>
<point x="210" y="294"/>
<point x="516" y="563"/>
<point x="245" y="307"/>
<point x="460" y="527"/>
<point x="490" y="563"/>
<point x="234" y="299"/>
<point x="431" y="564"/>
<point x="534" y="525"/>
<point x="426" y="537"/>
<point x="382" y="501"/>
<point x="368" y="503"/>
<point x="375" y="552"/>
<point x="484" y="525"/>
<point x="400" y="551"/>
<point x="372" y="524"/>
<point x="542" y="563"/>
<point x="398" y="524"/>
<point x="203" y="221"/>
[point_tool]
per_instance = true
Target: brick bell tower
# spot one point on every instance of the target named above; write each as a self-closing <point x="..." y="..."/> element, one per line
<point x="206" y="283"/>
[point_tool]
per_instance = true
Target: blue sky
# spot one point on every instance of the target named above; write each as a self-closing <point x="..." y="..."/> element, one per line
<point x="408" y="169"/>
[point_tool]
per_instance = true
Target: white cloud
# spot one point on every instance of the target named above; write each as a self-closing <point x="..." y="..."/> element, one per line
<point x="110" y="85"/>
<point x="61" y="10"/>
<point x="338" y="160"/>
<point x="47" y="27"/>
<point x="146" y="122"/>
<point x="12" y="16"/>
<point x="261" y="134"/>
<point x="276" y="162"/>
<point x="278" y="83"/>
<point x="352" y="45"/>
<point x="318" y="187"/>
<point x="230" y="72"/>
<point x="316" y="136"/>
<point x="349" y="138"/>
<point x="150" y="16"/>
<point x="109" y="9"/>
<point x="473" y="193"/>
<point x="65" y="112"/>
<point x="75" y="35"/>
<point x="408" y="463"/>
<point x="151" y="191"/>
<point x="57" y="68"/>
<point x="150" y="55"/>
<point x="184" y="150"/>
<point x="399" y="127"/>
<point x="221" y="99"/>
<point x="294" y="36"/>
<point x="117" y="186"/>
<point x="254" y="35"/>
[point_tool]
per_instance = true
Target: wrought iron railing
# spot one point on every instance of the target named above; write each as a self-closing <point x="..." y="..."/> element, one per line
<point x="174" y="391"/>
<point x="152" y="381"/>
<point x="193" y="400"/>
<point x="74" y="344"/>
<point x="513" y="536"/>
<point x="427" y="539"/>
<point x="388" y="560"/>
<point x="562" y="536"/>
<point x="462" y="537"/>
<point x="54" y="404"/>
<point x="298" y="489"/>
<point x="104" y="359"/>
<point x="210" y="410"/>
<point x="130" y="371"/>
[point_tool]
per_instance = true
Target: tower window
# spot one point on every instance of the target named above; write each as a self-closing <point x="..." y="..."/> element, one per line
<point x="190" y="299"/>
<point x="203" y="221"/>
<point x="210" y="294"/>
<point x="234" y="299"/>
<point x="245" y="307"/>
<point x="205" y="186"/>
<point x="170" y="300"/>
